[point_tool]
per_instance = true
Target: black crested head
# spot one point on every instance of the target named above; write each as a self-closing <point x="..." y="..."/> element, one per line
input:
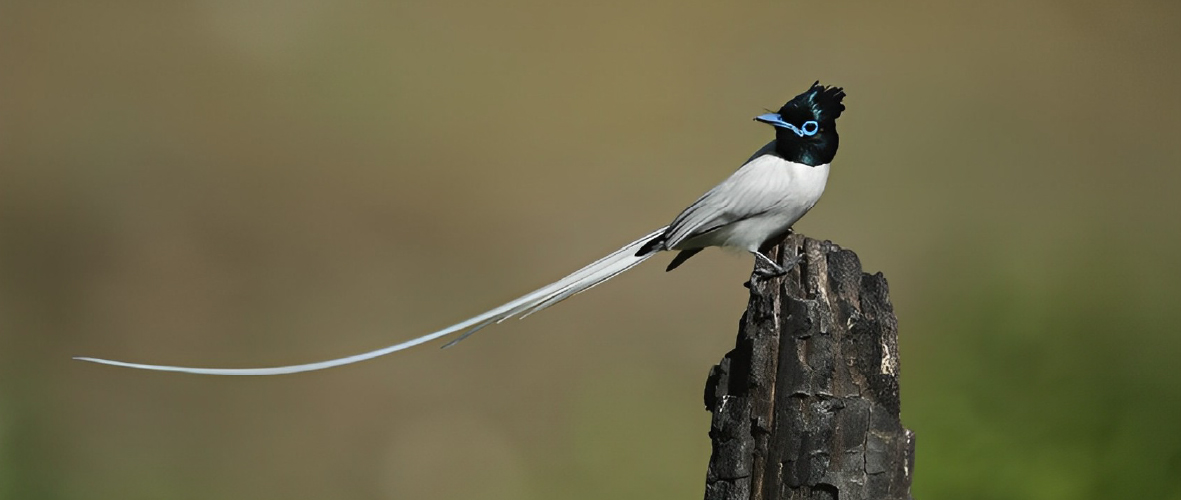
<point x="806" y="128"/>
<point x="819" y="103"/>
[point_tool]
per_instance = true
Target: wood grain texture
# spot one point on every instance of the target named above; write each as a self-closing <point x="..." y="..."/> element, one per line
<point x="806" y="405"/>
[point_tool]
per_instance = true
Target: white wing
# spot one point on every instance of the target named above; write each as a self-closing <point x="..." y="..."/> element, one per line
<point x="755" y="188"/>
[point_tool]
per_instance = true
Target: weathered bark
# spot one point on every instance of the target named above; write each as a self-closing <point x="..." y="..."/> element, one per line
<point x="806" y="405"/>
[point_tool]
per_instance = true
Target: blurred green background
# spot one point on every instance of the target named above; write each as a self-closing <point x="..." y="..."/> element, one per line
<point x="259" y="182"/>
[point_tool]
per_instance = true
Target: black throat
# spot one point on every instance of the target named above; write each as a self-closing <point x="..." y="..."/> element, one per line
<point x="812" y="151"/>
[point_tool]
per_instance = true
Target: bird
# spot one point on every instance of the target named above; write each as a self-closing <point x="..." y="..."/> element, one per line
<point x="751" y="209"/>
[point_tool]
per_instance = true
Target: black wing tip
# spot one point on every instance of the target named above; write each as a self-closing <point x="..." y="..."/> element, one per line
<point x="651" y="246"/>
<point x="682" y="257"/>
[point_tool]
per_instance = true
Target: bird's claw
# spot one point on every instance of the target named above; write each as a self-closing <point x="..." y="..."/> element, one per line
<point x="769" y="269"/>
<point x="767" y="274"/>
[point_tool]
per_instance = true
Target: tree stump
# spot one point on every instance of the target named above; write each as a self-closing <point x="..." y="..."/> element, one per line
<point x="806" y="406"/>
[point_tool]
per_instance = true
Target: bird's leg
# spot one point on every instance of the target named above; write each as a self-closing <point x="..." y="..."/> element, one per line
<point x="775" y="270"/>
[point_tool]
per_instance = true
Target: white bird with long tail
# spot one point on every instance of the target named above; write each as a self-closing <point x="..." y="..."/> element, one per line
<point x="756" y="205"/>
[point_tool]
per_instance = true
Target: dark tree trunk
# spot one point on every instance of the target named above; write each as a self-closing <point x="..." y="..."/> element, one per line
<point x="806" y="405"/>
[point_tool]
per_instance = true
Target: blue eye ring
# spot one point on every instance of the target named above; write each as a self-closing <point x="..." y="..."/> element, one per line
<point x="809" y="128"/>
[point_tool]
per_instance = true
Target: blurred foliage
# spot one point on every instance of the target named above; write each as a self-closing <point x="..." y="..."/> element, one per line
<point x="255" y="182"/>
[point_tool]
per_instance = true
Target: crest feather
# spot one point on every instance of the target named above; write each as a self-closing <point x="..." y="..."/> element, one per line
<point x="823" y="103"/>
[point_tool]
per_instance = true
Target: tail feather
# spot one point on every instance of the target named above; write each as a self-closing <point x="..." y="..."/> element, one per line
<point x="577" y="282"/>
<point x="582" y="286"/>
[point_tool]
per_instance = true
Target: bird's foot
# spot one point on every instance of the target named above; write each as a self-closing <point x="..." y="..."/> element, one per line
<point x="770" y="269"/>
<point x="766" y="274"/>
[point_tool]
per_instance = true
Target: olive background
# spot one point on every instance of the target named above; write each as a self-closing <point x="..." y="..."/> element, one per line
<point x="262" y="182"/>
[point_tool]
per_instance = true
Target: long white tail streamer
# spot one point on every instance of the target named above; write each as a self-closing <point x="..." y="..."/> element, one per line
<point x="577" y="282"/>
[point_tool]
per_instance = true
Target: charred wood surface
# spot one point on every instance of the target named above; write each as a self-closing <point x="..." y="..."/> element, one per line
<point x="806" y="405"/>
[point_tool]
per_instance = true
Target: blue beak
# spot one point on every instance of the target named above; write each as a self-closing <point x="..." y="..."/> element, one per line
<point x="774" y="119"/>
<point x="808" y="129"/>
